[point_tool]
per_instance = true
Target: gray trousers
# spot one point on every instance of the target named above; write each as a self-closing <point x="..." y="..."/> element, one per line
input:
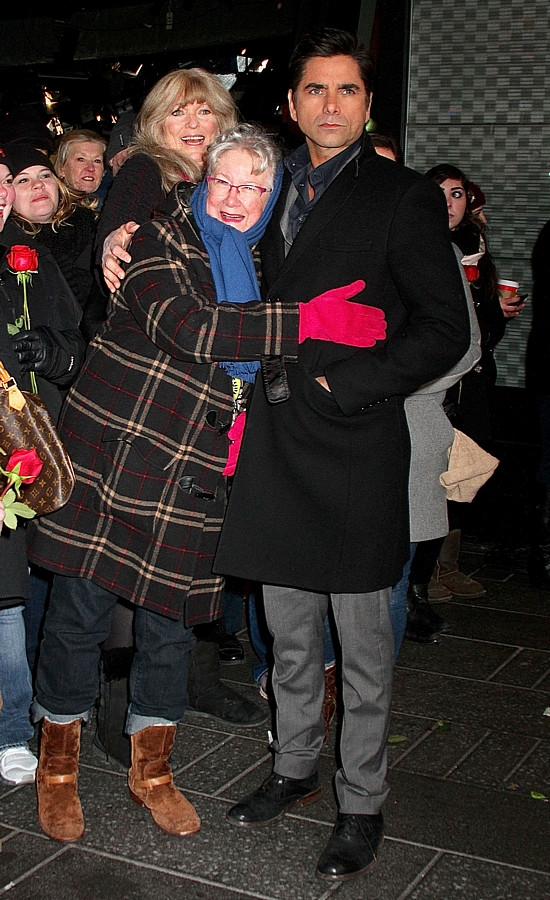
<point x="295" y="619"/>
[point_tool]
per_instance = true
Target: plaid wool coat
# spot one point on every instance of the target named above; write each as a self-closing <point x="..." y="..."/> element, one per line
<point x="145" y="425"/>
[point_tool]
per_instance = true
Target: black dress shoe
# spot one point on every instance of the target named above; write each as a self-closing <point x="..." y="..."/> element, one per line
<point x="276" y="796"/>
<point x="230" y="650"/>
<point x="351" y="850"/>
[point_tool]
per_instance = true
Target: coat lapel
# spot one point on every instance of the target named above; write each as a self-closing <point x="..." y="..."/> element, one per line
<point x="327" y="208"/>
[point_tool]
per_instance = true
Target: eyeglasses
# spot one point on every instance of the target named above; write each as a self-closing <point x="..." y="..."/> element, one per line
<point x="221" y="189"/>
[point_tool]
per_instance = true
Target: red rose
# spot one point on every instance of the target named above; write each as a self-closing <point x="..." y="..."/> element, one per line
<point x="471" y="272"/>
<point x="30" y="464"/>
<point x="22" y="259"/>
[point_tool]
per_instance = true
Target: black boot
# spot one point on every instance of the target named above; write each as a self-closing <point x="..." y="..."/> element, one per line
<point x="111" y="738"/>
<point x="423" y="624"/>
<point x="539" y="557"/>
<point x="209" y="696"/>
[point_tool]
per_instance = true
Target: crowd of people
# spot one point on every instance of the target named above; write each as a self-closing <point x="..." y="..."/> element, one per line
<point x="279" y="353"/>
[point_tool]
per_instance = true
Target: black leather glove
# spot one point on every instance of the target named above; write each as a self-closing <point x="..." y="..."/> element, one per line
<point x="35" y="350"/>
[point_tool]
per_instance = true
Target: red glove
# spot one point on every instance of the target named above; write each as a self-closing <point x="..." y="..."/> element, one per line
<point x="330" y="317"/>
<point x="235" y="435"/>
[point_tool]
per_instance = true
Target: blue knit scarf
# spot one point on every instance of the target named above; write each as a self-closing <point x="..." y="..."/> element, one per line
<point x="231" y="260"/>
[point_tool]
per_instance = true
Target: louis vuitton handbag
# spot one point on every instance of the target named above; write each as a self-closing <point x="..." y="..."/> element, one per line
<point x="25" y="423"/>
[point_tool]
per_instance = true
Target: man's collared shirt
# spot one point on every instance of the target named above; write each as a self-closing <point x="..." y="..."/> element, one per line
<point x="299" y="205"/>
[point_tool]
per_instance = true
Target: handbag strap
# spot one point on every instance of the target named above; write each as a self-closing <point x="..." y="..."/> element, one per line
<point x="16" y="399"/>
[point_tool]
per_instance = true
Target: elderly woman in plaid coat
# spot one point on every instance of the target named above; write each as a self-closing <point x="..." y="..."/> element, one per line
<point x="146" y="426"/>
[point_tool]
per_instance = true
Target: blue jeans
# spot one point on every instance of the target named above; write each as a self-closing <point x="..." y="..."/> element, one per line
<point x="234" y="600"/>
<point x="77" y="621"/>
<point x="259" y="635"/>
<point x="15" y="680"/>
<point x="398" y="604"/>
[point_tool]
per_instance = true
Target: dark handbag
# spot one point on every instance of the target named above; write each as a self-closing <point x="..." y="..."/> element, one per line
<point x="25" y="423"/>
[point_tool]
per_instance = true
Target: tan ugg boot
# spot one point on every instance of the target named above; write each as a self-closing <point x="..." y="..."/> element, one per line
<point x="461" y="585"/>
<point x="151" y="783"/>
<point x="437" y="592"/>
<point x="59" y="809"/>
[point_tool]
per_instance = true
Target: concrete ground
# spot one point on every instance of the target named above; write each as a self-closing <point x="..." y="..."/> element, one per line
<point x="468" y="815"/>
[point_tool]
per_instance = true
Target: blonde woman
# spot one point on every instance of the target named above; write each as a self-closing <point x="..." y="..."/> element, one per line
<point x="80" y="160"/>
<point x="180" y="117"/>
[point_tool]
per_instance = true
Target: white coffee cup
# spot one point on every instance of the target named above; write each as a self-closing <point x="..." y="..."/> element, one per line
<point x="507" y="288"/>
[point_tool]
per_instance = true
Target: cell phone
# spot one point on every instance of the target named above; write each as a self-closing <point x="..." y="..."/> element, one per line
<point x="522" y="299"/>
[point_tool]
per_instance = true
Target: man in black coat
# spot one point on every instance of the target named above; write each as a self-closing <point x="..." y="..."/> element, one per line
<point x="319" y="508"/>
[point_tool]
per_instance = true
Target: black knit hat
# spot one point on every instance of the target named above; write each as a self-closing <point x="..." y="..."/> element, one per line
<point x="26" y="125"/>
<point x="22" y="156"/>
<point x="121" y="135"/>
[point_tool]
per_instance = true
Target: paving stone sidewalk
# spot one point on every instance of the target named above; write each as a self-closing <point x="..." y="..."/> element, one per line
<point x="469" y="761"/>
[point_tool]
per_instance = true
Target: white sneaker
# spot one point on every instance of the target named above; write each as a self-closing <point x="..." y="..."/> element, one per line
<point x="18" y="765"/>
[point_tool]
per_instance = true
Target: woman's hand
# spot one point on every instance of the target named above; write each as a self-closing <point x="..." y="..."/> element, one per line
<point x="114" y="249"/>
<point x="332" y="317"/>
<point x="511" y="306"/>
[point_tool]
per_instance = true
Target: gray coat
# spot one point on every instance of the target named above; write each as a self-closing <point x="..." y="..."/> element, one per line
<point x="431" y="438"/>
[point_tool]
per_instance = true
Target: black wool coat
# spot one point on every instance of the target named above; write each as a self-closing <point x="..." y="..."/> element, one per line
<point x="320" y="499"/>
<point x="136" y="194"/>
<point x="52" y="305"/>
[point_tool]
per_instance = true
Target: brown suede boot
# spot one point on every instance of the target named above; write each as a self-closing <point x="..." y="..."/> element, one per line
<point x="59" y="809"/>
<point x="329" y="703"/>
<point x="461" y="585"/>
<point x="151" y="784"/>
<point x="437" y="592"/>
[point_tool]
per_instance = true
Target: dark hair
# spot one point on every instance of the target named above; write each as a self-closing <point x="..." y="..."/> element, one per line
<point x="442" y="171"/>
<point x="329" y="42"/>
<point x="387" y="142"/>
